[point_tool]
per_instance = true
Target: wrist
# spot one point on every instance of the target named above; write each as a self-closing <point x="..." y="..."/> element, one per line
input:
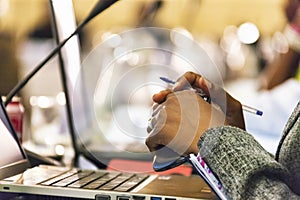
<point x="292" y="35"/>
<point x="234" y="115"/>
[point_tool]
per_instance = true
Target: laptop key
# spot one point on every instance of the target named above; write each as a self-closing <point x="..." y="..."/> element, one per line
<point x="84" y="181"/>
<point x="95" y="185"/>
<point x="65" y="182"/>
<point x="131" y="183"/>
<point x="101" y="181"/>
<point x="59" y="177"/>
<point x="116" y="182"/>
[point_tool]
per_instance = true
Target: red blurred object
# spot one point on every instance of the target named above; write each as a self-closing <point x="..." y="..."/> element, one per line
<point x="145" y="167"/>
<point x="15" y="111"/>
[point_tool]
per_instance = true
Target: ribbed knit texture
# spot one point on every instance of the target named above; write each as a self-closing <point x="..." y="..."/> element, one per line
<point x="248" y="171"/>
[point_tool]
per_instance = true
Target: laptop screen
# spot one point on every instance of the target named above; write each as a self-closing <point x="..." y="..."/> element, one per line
<point x="82" y="78"/>
<point x="13" y="161"/>
<point x="65" y="24"/>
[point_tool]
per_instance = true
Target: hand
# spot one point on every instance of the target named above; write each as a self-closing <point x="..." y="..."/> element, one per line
<point x="230" y="106"/>
<point x="180" y="118"/>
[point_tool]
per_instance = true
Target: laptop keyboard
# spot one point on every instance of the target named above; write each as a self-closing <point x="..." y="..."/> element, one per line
<point x="93" y="179"/>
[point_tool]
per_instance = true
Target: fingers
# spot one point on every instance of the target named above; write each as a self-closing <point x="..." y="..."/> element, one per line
<point x="156" y="109"/>
<point x="191" y="80"/>
<point x="152" y="122"/>
<point x="216" y="94"/>
<point x="157" y="123"/>
<point x="176" y="121"/>
<point x="172" y="120"/>
<point x="161" y="96"/>
<point x="213" y="93"/>
<point x="205" y="85"/>
<point x="155" y="140"/>
<point x="188" y="80"/>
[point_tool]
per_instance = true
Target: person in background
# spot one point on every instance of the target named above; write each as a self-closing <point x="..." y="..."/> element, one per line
<point x="285" y="65"/>
<point x="216" y="131"/>
<point x="279" y="88"/>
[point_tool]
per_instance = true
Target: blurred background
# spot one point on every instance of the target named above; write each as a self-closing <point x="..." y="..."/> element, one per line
<point x="241" y="38"/>
<point x="204" y="17"/>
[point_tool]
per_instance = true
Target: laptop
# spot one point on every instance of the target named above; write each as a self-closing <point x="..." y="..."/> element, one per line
<point x="56" y="182"/>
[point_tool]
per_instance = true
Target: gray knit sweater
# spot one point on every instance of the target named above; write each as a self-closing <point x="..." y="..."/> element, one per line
<point x="248" y="171"/>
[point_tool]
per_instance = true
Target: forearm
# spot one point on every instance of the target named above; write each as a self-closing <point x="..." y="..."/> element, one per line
<point x="237" y="159"/>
